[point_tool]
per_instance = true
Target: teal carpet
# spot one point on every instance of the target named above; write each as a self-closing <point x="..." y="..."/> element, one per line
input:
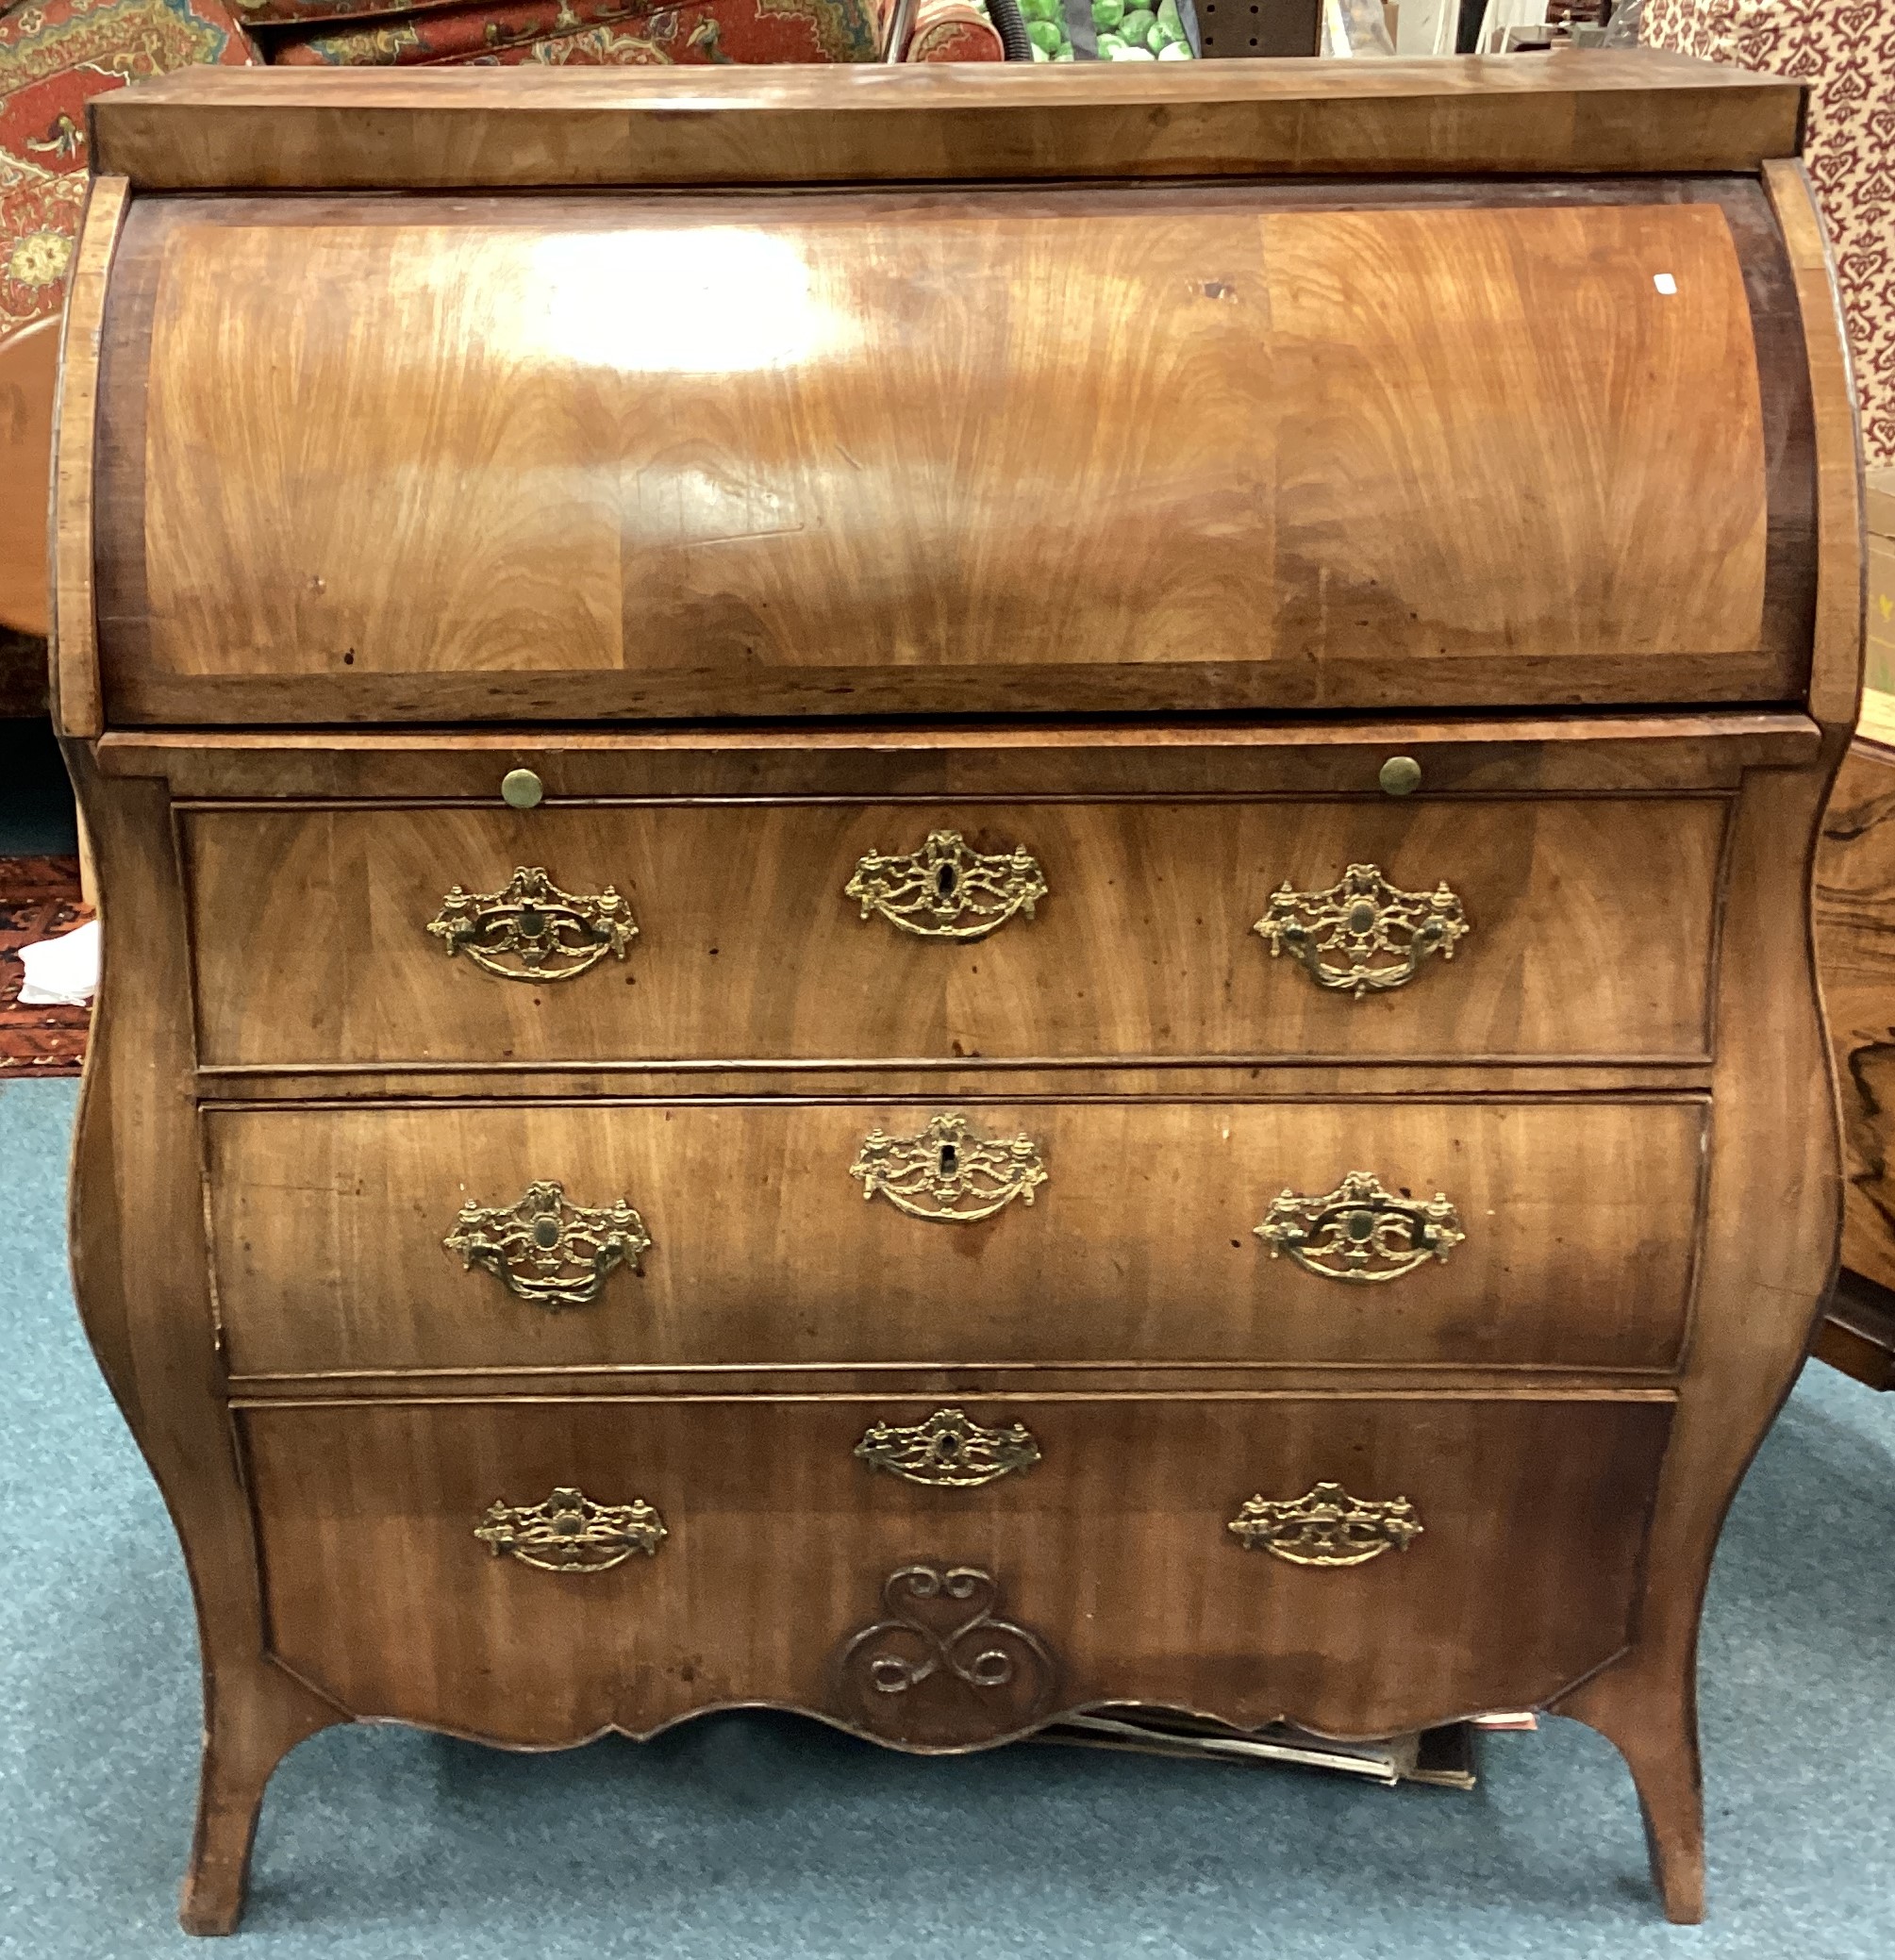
<point x="739" y="1836"/>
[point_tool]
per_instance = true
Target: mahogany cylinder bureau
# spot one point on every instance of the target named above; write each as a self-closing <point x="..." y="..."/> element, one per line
<point x="944" y="896"/>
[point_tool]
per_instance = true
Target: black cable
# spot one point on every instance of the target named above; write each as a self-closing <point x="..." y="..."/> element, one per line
<point x="1010" y="25"/>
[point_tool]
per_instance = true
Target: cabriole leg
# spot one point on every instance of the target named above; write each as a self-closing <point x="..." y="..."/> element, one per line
<point x="252" y="1717"/>
<point x="1654" y="1725"/>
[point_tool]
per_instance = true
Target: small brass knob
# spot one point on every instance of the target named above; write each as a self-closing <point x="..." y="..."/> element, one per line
<point x="1401" y="775"/>
<point x="524" y="789"/>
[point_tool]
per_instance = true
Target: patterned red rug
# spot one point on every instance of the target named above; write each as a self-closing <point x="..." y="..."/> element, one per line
<point x="39" y="897"/>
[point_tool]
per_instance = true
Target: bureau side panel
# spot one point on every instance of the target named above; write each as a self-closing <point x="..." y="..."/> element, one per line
<point x="1774" y="1207"/>
<point x="1773" y="1229"/>
<point x="141" y="1270"/>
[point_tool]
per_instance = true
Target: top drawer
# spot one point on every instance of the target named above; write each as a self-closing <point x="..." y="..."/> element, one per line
<point x="422" y="458"/>
<point x="1342" y="930"/>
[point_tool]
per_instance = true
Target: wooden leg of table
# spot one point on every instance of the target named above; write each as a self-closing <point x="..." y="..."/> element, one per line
<point x="254" y="1716"/>
<point x="1654" y="1725"/>
<point x="88" y="886"/>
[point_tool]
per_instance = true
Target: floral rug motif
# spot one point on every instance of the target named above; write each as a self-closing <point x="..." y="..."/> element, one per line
<point x="1845" y="49"/>
<point x="54" y="56"/>
<point x="39" y="897"/>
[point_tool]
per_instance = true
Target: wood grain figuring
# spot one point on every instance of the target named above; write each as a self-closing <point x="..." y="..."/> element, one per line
<point x="76" y="706"/>
<point x="1591" y="933"/>
<point x="30" y="363"/>
<point x="780" y="1539"/>
<point x="1038" y="1382"/>
<point x="1835" y="671"/>
<point x="327" y="1229"/>
<point x="1856" y="939"/>
<point x="1409" y="516"/>
<point x="1608" y="110"/>
<point x="807" y="480"/>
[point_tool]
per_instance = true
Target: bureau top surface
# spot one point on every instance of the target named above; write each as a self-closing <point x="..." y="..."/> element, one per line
<point x="473" y="127"/>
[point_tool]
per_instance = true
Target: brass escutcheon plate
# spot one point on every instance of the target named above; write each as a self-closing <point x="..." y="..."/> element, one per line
<point x="946" y="890"/>
<point x="1360" y="1232"/>
<point x="531" y="930"/>
<point x="947" y="1173"/>
<point x="545" y="1250"/>
<point x="1362" y="936"/>
<point x="949" y="1451"/>
<point x="570" y="1533"/>
<point x="1326" y="1527"/>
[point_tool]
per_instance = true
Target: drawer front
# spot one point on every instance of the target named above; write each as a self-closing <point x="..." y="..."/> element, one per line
<point x="1112" y="448"/>
<point x="1577" y="926"/>
<point x="783" y="1233"/>
<point x="1495" y="1549"/>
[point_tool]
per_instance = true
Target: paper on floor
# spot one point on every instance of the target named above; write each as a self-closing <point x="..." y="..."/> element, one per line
<point x="62" y="972"/>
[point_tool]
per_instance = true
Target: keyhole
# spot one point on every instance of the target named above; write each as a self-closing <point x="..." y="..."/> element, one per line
<point x="950" y="1160"/>
<point x="946" y="878"/>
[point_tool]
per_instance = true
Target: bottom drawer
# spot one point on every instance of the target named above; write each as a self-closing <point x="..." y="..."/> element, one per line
<point x="783" y="1552"/>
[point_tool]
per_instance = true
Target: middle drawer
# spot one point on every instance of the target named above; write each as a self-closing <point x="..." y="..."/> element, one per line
<point x="1557" y="1233"/>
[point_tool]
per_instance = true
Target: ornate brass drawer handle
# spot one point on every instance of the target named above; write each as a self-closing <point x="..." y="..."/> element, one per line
<point x="549" y="1251"/>
<point x="569" y="1532"/>
<point x="949" y="1449"/>
<point x="1359" y="1231"/>
<point x="531" y="930"/>
<point x="1362" y="936"/>
<point x="945" y="891"/>
<point x="947" y="1173"/>
<point x="1328" y="1527"/>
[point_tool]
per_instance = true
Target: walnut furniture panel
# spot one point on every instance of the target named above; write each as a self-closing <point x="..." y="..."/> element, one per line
<point x="750" y="946"/>
<point x="944" y="896"/>
<point x="1132" y="1230"/>
<point x="1854" y="894"/>
<point x="761" y="1499"/>
<point x="1247" y="519"/>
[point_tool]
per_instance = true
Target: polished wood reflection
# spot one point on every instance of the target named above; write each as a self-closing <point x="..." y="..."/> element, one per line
<point x="1581" y="1221"/>
<point x="1591" y="933"/>
<point x="780" y="1539"/>
<point x="792" y="456"/>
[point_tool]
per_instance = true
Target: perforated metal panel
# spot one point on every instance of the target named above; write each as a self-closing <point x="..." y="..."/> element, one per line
<point x="1247" y="29"/>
